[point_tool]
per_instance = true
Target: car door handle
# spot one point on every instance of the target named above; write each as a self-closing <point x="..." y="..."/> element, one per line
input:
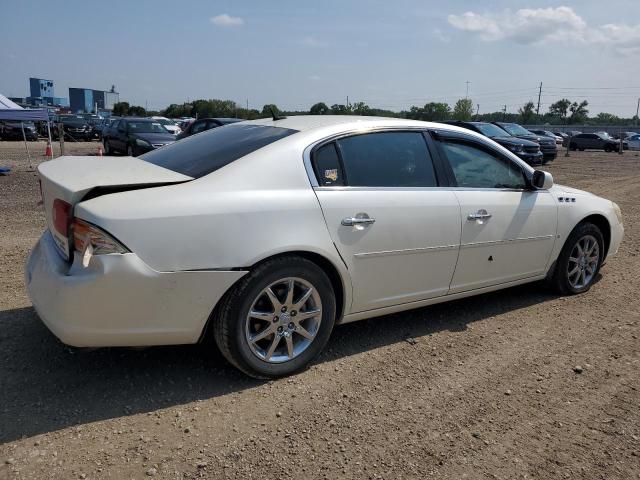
<point x="351" y="221"/>
<point x="481" y="214"/>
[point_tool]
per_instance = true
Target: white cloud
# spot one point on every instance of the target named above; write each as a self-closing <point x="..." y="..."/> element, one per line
<point x="441" y="36"/>
<point x="529" y="26"/>
<point x="225" y="20"/>
<point x="313" y="42"/>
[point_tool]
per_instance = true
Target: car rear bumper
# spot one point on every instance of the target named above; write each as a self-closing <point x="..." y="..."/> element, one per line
<point x="118" y="300"/>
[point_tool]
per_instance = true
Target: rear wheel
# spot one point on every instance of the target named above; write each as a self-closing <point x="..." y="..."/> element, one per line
<point x="277" y="318"/>
<point x="579" y="261"/>
<point x="608" y="148"/>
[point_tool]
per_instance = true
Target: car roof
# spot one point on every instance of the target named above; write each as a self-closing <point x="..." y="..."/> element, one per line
<point x="313" y="122"/>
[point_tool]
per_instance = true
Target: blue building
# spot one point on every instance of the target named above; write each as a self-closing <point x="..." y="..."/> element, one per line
<point x="42" y="94"/>
<point x="39" y="87"/>
<point x="81" y="100"/>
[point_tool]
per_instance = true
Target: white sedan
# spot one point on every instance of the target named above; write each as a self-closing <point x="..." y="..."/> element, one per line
<point x="266" y="234"/>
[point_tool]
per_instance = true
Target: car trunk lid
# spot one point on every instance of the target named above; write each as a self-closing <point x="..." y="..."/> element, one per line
<point x="65" y="181"/>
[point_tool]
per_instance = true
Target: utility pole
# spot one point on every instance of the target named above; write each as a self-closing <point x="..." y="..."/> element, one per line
<point x="347" y="101"/>
<point x="637" y="111"/>
<point x="477" y="110"/>
<point x="247" y="107"/>
<point x="539" y="95"/>
<point x="504" y="113"/>
<point x="467" y="94"/>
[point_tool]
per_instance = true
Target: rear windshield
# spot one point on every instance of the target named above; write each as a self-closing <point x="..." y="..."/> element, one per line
<point x="206" y="152"/>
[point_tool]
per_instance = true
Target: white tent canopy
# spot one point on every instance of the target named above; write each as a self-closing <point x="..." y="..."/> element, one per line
<point x="12" y="111"/>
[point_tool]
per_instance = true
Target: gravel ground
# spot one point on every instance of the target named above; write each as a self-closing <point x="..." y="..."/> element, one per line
<point x="485" y="387"/>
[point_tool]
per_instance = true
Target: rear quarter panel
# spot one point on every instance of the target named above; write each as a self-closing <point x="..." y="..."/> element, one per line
<point x="254" y="208"/>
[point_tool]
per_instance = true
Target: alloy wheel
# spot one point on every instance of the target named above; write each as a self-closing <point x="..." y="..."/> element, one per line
<point x="283" y="320"/>
<point x="583" y="262"/>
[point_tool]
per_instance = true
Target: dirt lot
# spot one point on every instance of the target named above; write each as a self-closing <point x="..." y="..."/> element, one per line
<point x="487" y="390"/>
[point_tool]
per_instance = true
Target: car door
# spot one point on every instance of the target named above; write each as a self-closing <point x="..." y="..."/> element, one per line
<point x="397" y="231"/>
<point x="508" y="228"/>
<point x="120" y="136"/>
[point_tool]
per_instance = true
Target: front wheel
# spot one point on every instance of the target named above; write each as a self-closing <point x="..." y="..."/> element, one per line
<point x="608" y="148"/>
<point x="579" y="261"/>
<point x="277" y="319"/>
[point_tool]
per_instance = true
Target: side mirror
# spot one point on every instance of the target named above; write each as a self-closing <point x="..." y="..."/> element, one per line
<point x="542" y="180"/>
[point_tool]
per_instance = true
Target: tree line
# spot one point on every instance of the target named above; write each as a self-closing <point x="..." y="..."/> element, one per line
<point x="563" y="111"/>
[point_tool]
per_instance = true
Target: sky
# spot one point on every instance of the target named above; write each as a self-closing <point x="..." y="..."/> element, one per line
<point x="389" y="54"/>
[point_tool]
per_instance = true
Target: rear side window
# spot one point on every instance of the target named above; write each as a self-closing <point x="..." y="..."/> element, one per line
<point x="199" y="155"/>
<point x="327" y="166"/>
<point x="387" y="159"/>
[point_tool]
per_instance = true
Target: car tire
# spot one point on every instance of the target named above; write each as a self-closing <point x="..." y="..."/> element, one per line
<point x="573" y="146"/>
<point x="608" y="148"/>
<point x="571" y="274"/>
<point x="276" y="319"/>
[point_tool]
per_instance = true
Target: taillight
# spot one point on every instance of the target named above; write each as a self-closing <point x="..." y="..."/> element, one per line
<point x="61" y="216"/>
<point x="95" y="241"/>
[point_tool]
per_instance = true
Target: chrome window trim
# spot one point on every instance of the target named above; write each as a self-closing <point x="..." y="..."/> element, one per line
<point x="306" y="156"/>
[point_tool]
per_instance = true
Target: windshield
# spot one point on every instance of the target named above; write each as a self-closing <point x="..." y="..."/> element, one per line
<point x="201" y="154"/>
<point x="146" y="127"/>
<point x="71" y="117"/>
<point x="515" y="129"/>
<point x="491" y="130"/>
<point x="604" y="135"/>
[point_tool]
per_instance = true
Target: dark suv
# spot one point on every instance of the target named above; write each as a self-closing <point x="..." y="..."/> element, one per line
<point x="594" y="141"/>
<point x="10" y="130"/>
<point x="526" y="150"/>
<point x="75" y="128"/>
<point x="135" y="136"/>
<point x="203" y="124"/>
<point x="547" y="144"/>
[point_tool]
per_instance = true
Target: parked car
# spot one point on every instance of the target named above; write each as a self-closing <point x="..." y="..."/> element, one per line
<point x="624" y="135"/>
<point x="10" y="130"/>
<point x="204" y="124"/>
<point x="547" y="133"/>
<point x="168" y="124"/>
<point x="527" y="150"/>
<point x="547" y="145"/>
<point x="135" y="136"/>
<point x="96" y="122"/>
<point x="564" y="136"/>
<point x="625" y="144"/>
<point x="594" y="141"/>
<point x="107" y="124"/>
<point x="634" y="142"/>
<point x="254" y="235"/>
<point x="76" y="128"/>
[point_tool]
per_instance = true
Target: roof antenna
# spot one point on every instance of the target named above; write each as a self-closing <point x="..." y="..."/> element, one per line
<point x="275" y="116"/>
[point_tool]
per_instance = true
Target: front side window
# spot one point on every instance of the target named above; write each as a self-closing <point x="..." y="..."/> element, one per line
<point x="198" y="127"/>
<point x="476" y="167"/>
<point x="387" y="159"/>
